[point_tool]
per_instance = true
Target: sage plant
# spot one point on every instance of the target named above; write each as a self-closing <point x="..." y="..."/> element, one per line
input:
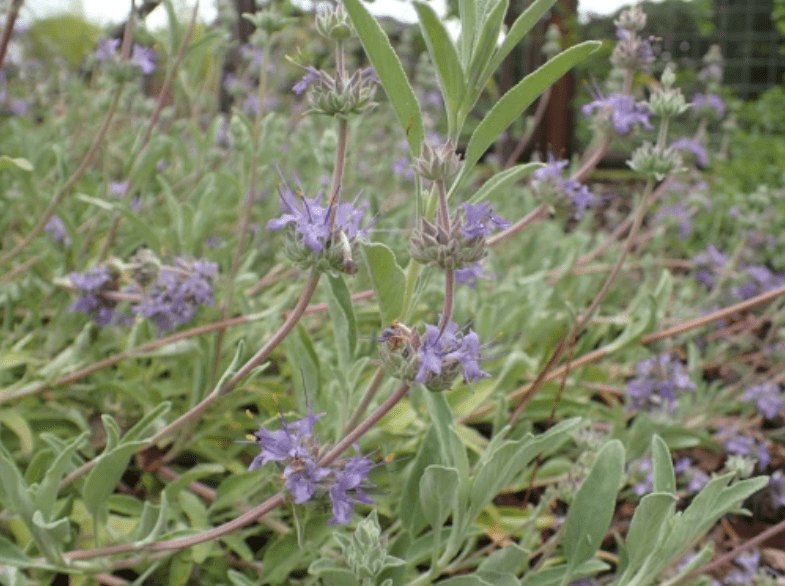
<point x="443" y="398"/>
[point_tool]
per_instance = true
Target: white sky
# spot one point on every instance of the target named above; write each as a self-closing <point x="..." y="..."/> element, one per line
<point x="113" y="11"/>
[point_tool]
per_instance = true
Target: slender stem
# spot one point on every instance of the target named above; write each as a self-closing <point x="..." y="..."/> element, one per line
<point x="449" y="296"/>
<point x="731" y="555"/>
<point x="10" y="20"/>
<point x="245" y="211"/>
<point x="338" y="169"/>
<point x="715" y="316"/>
<point x="253" y="514"/>
<point x="162" y="97"/>
<point x="593" y="159"/>
<point x="537" y="213"/>
<point x="360" y="430"/>
<point x="10" y="394"/>
<point x="245" y="370"/>
<point x="370" y="393"/>
<point x="568" y="340"/>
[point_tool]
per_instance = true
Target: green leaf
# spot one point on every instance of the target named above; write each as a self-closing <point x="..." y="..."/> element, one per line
<point x="662" y="466"/>
<point x="7" y="162"/>
<point x="449" y="72"/>
<point x="46" y="495"/>
<point x="410" y="512"/>
<point x="103" y="478"/>
<point x="390" y="71"/>
<point x="554" y="575"/>
<point x="152" y="521"/>
<point x="516" y="100"/>
<point x="482" y="52"/>
<point x="468" y="580"/>
<point x="387" y="279"/>
<point x="522" y="25"/>
<point x="450" y="445"/>
<point x="11" y="555"/>
<point x="140" y="428"/>
<point x="438" y="494"/>
<point x="503" y="461"/>
<point x="304" y="361"/>
<point x="14" y="421"/>
<point x="339" y="302"/>
<point x="646" y="526"/>
<point x="467" y="10"/>
<point x="502" y="180"/>
<point x="508" y="560"/>
<point x="592" y="508"/>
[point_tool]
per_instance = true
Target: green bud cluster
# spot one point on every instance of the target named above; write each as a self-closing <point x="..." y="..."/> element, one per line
<point x="400" y="358"/>
<point x="438" y="164"/>
<point x="268" y="21"/>
<point x="333" y="23"/>
<point x="632" y="20"/>
<point x="552" y="45"/>
<point x="655" y="162"/>
<point x="365" y="551"/>
<point x="668" y="101"/>
<point x="446" y="248"/>
<point x="336" y="257"/>
<point x="338" y="96"/>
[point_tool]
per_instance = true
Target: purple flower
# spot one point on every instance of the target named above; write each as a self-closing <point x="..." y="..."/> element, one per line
<point x="92" y="284"/>
<point x="56" y="229"/>
<point x="749" y="562"/>
<point x="178" y="291"/>
<point x="296" y="449"/>
<point x="311" y="76"/>
<point x="705" y="103"/>
<point x="479" y="219"/>
<point x="768" y="398"/>
<point x="656" y="385"/>
<point x="622" y="110"/>
<point x="745" y="445"/>
<point x="777" y="488"/>
<point x="312" y="221"/>
<point x="107" y="49"/>
<point x="144" y="58"/>
<point x="348" y="489"/>
<point x="446" y="349"/>
<point x="549" y="180"/>
<point x="693" y="146"/>
<point x="469" y="275"/>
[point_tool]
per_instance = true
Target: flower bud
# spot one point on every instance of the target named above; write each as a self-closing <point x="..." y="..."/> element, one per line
<point x="438" y="164"/>
<point x="633" y="19"/>
<point x="337" y="96"/>
<point x="268" y="21"/>
<point x="333" y="23"/>
<point x="552" y="45"/>
<point x="658" y="163"/>
<point x="446" y="248"/>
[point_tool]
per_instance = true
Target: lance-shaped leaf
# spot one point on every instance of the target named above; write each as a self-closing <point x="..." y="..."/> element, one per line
<point x="515" y="101"/>
<point x="445" y="59"/>
<point x="390" y="71"/>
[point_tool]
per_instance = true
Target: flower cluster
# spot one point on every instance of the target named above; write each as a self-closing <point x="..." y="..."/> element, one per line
<point x="657" y="383"/>
<point x="558" y="191"/>
<point x="768" y="399"/>
<point x="166" y="295"/>
<point x="461" y="245"/>
<point x="173" y="298"/>
<point x="143" y="59"/>
<point x="338" y="95"/>
<point x="738" y="443"/>
<point x="92" y="285"/>
<point x="622" y="111"/>
<point x="708" y="104"/>
<point x="434" y="359"/>
<point x="296" y="450"/>
<point x="321" y="236"/>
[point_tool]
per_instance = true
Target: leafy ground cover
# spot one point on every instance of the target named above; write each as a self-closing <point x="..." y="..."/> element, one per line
<point x="325" y="337"/>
